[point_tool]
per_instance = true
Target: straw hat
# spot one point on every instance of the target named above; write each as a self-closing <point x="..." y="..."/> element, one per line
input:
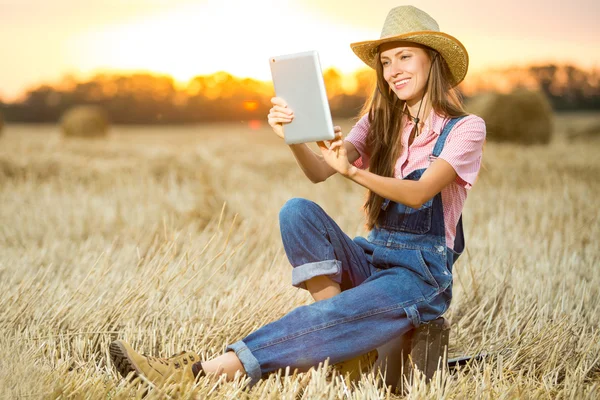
<point x="408" y="23"/>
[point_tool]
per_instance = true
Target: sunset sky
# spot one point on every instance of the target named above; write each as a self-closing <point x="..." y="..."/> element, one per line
<point x="43" y="40"/>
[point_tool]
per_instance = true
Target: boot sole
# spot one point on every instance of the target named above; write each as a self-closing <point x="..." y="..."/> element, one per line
<point x="121" y="360"/>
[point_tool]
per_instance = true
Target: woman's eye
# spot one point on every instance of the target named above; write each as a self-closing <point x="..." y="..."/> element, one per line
<point x="403" y="57"/>
<point x="384" y="63"/>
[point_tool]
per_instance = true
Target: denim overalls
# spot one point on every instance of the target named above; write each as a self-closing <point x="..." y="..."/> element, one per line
<point x="397" y="278"/>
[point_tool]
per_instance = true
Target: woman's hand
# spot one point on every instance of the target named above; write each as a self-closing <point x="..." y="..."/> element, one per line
<point x="335" y="154"/>
<point x="279" y="114"/>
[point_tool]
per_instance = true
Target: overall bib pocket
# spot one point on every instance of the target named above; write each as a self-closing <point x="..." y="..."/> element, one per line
<point x="419" y="220"/>
<point x="398" y="217"/>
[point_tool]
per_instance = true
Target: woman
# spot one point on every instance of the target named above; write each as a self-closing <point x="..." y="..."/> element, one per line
<point x="422" y="153"/>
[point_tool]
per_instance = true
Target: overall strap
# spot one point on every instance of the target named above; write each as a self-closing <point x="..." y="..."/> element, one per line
<point x="459" y="240"/>
<point x="439" y="145"/>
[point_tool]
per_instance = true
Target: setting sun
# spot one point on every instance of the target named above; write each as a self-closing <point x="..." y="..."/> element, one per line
<point x="204" y="38"/>
<point x="188" y="41"/>
<point x="187" y="38"/>
<point x="250" y="105"/>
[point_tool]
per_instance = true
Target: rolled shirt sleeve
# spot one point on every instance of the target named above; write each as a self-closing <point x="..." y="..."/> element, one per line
<point x="464" y="148"/>
<point x="358" y="137"/>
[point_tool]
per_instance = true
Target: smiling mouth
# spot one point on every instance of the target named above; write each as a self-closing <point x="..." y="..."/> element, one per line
<point x="401" y="83"/>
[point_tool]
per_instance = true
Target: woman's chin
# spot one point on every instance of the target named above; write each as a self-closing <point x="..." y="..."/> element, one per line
<point x="407" y="96"/>
<point x="403" y="96"/>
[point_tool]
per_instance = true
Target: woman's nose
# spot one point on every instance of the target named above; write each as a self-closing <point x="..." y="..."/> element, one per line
<point x="395" y="69"/>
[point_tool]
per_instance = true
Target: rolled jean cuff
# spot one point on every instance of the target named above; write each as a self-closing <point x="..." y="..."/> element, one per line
<point x="247" y="359"/>
<point x="304" y="272"/>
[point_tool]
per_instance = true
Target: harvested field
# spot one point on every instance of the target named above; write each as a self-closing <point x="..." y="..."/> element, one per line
<point x="168" y="237"/>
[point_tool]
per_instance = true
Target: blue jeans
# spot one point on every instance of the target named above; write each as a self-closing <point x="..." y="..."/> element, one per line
<point x="391" y="282"/>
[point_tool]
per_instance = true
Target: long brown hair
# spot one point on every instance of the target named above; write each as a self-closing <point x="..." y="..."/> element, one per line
<point x="386" y="122"/>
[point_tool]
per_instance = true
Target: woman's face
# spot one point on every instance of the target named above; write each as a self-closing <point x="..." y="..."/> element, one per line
<point x="405" y="69"/>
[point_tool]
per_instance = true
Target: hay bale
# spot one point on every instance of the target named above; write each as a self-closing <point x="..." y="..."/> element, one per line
<point x="84" y="121"/>
<point x="522" y="116"/>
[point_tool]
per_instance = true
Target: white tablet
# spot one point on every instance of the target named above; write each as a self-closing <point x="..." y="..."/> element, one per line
<point x="299" y="81"/>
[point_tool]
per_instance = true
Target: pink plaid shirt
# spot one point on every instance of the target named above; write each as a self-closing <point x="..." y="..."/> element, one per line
<point x="463" y="150"/>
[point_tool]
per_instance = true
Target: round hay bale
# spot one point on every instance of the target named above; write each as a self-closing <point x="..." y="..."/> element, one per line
<point x="522" y="116"/>
<point x="84" y="121"/>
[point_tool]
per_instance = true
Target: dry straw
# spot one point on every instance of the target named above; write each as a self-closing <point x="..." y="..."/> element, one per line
<point x="523" y="116"/>
<point x="586" y="131"/>
<point x="84" y="121"/>
<point x="138" y="246"/>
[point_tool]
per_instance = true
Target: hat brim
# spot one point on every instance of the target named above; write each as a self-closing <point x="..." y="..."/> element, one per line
<point x="450" y="48"/>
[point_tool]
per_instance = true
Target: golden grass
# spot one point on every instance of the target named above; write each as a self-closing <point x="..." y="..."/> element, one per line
<point x="129" y="238"/>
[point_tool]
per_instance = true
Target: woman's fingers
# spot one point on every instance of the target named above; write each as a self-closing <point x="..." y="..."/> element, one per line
<point x="337" y="140"/>
<point x="279" y="121"/>
<point x="279" y="105"/>
<point x="278" y="101"/>
<point x="336" y="146"/>
<point x="277" y="117"/>
<point x="281" y="116"/>
<point x="278" y="114"/>
<point x="337" y="132"/>
<point x="283" y="120"/>
<point x="322" y="145"/>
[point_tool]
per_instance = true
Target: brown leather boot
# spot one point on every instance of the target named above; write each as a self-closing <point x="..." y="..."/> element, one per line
<point x="357" y="366"/>
<point x="180" y="368"/>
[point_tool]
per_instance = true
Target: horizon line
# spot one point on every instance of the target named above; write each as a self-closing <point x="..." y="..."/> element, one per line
<point x="81" y="77"/>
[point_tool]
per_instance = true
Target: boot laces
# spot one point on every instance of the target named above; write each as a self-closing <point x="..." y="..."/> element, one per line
<point x="175" y="359"/>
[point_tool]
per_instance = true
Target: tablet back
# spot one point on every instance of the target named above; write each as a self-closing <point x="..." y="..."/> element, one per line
<point x="299" y="81"/>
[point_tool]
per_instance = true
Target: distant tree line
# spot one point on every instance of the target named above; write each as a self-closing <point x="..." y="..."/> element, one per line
<point x="569" y="88"/>
<point x="566" y="87"/>
<point x="146" y="98"/>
